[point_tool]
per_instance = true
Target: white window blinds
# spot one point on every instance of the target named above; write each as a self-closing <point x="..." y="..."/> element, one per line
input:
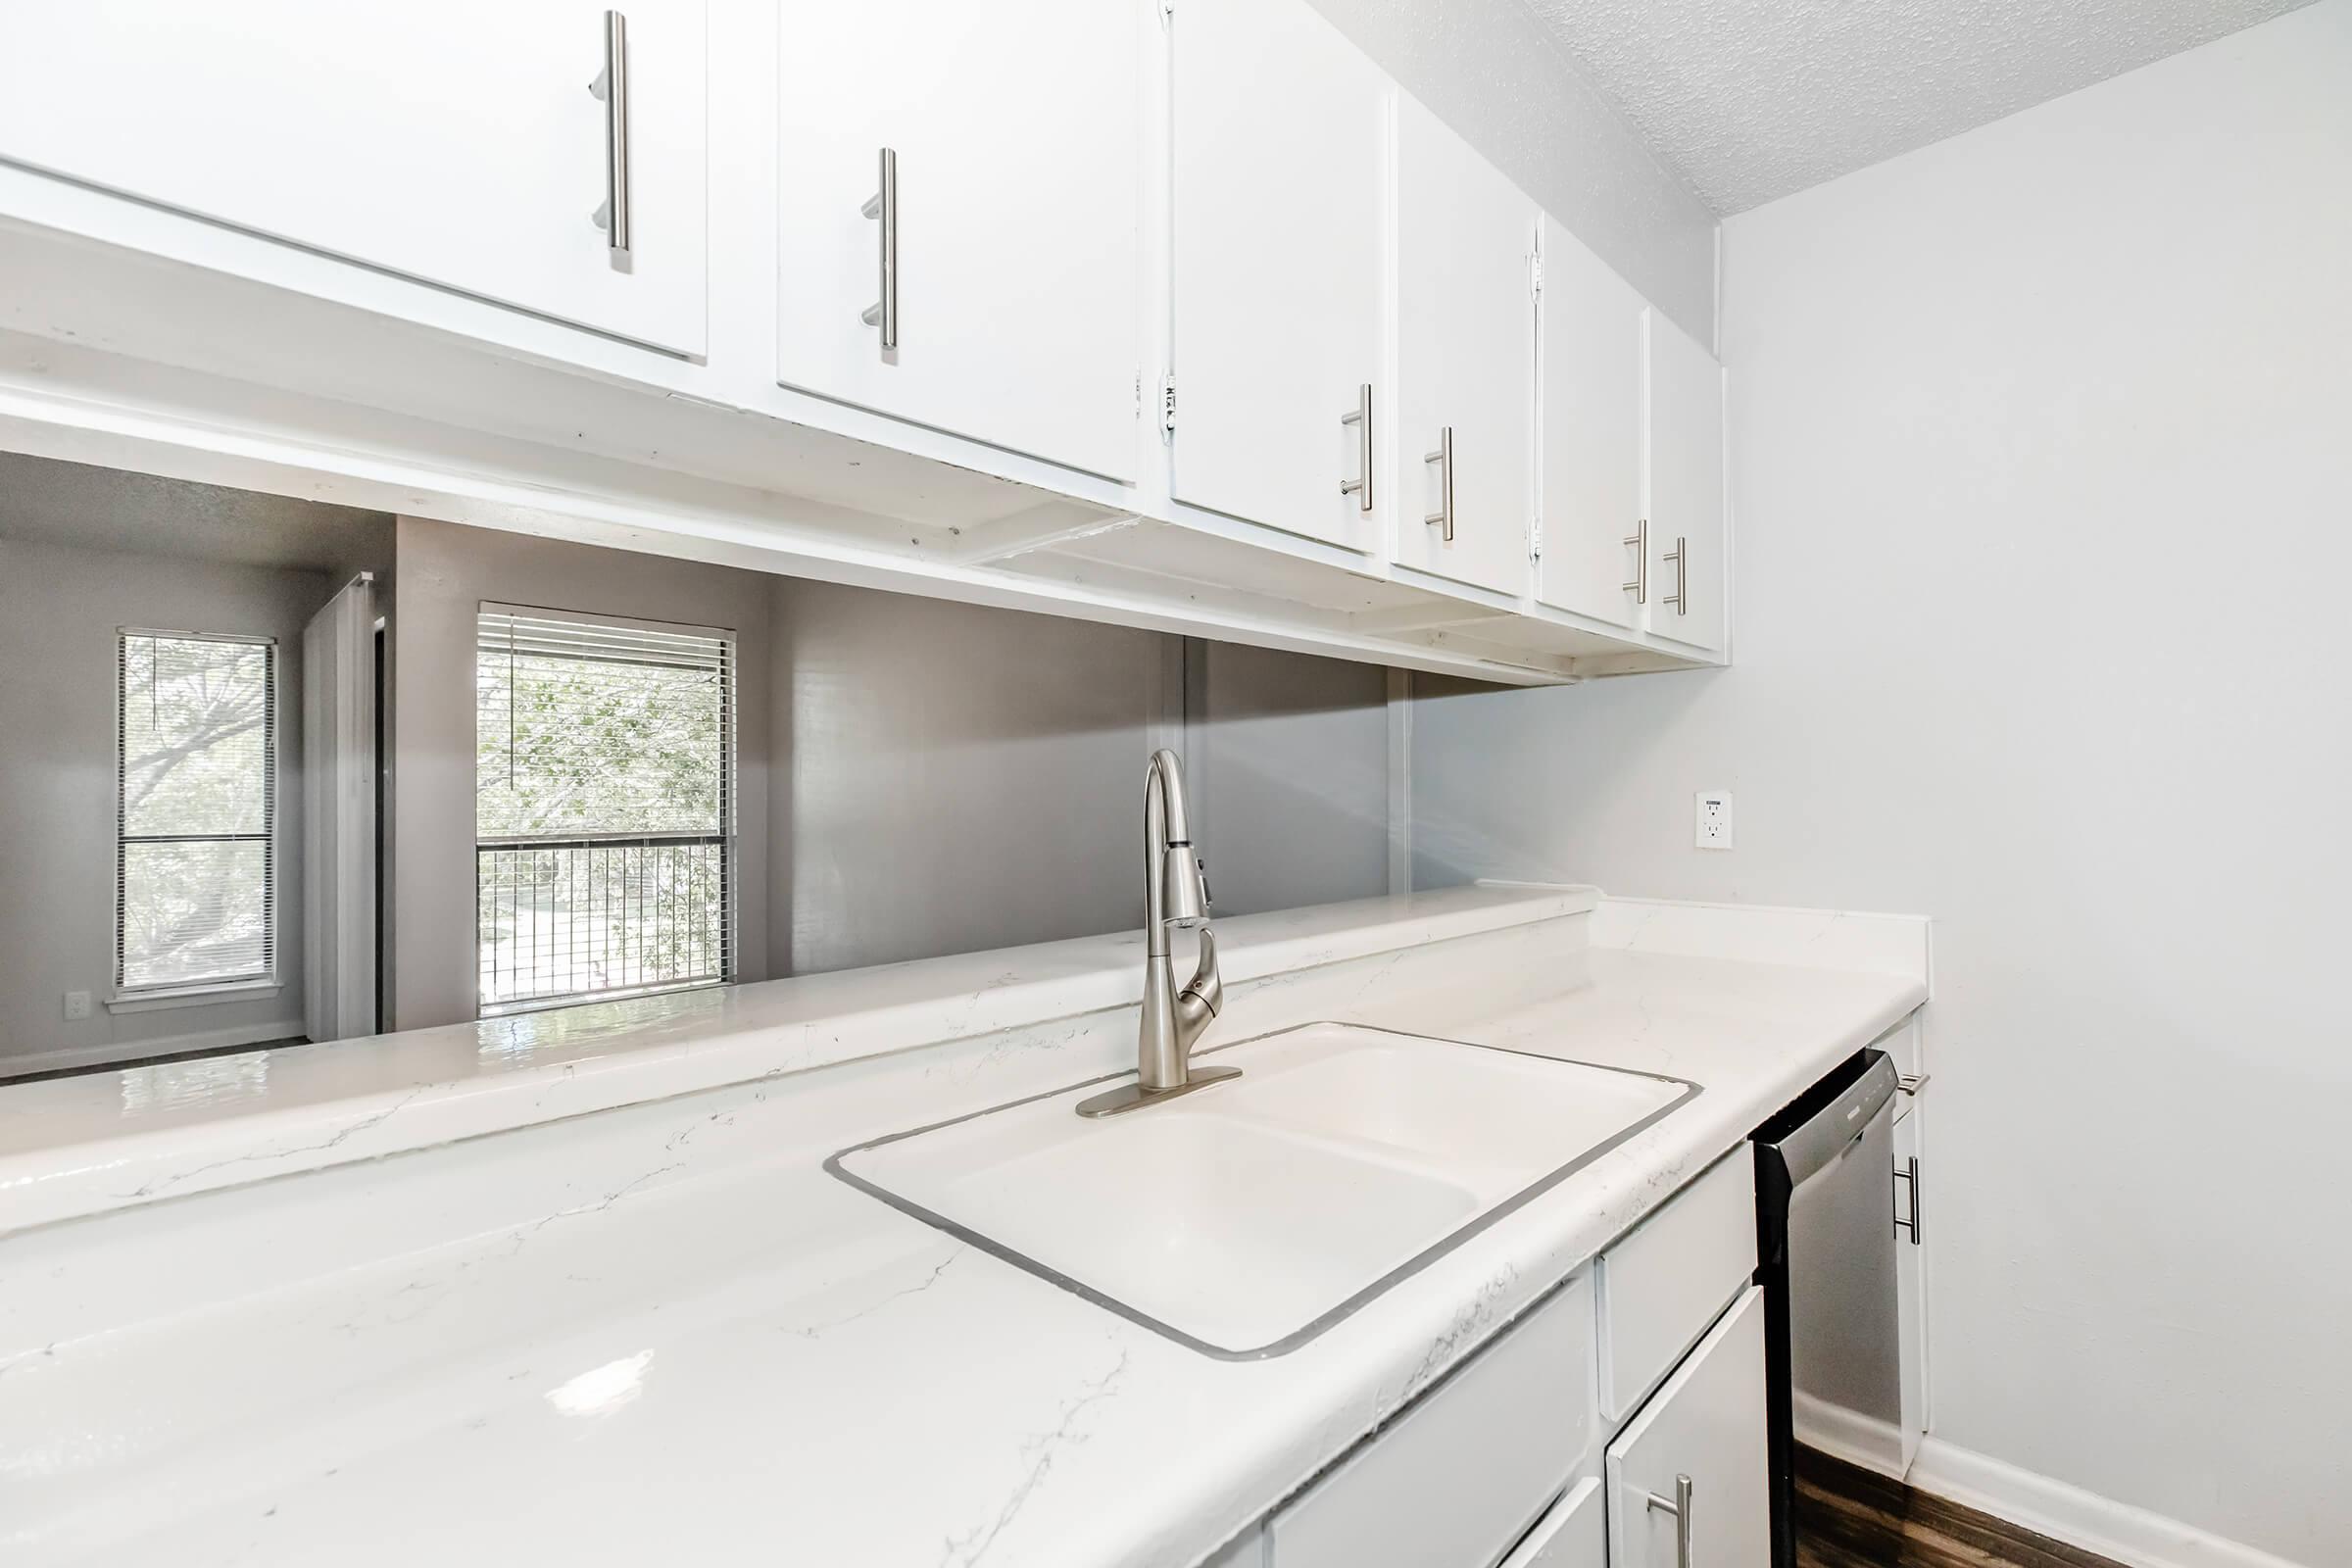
<point x="603" y="807"/>
<point x="196" y="807"/>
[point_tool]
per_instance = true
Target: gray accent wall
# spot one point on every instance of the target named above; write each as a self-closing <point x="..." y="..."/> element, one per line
<point x="442" y="572"/>
<point x="914" y="777"/>
<point x="949" y="777"/>
<point x="952" y="777"/>
<point x="60" y="611"/>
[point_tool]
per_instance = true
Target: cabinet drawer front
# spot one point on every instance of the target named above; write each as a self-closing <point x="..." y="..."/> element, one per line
<point x="1662" y="1285"/>
<point x="1707" y="1423"/>
<point x="1459" y="1476"/>
<point x="1570" y="1536"/>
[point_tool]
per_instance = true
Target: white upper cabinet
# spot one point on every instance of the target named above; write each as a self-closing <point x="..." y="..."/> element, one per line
<point x="1465" y="360"/>
<point x="958" y="229"/>
<point x="452" y="142"/>
<point x="1590" y="478"/>
<point x="1683" y="484"/>
<point x="1281" y="180"/>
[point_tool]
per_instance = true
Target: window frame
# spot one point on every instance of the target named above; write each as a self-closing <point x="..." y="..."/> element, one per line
<point x="727" y="836"/>
<point x="123" y="998"/>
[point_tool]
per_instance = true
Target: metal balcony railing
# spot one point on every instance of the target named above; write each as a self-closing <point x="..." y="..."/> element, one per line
<point x="575" y="919"/>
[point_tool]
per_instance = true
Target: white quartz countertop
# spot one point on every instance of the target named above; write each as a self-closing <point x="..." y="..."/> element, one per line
<point x="663" y="1334"/>
<point x="84" y="1145"/>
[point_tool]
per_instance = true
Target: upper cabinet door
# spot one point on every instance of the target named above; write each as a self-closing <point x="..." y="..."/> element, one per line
<point x="1465" y="360"/>
<point x="1280" y="222"/>
<point x="1590" y="477"/>
<point x="1684" y="437"/>
<point x="452" y="142"/>
<point x="956" y="235"/>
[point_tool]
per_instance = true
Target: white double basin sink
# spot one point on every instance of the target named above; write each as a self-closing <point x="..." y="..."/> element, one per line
<point x="1246" y="1217"/>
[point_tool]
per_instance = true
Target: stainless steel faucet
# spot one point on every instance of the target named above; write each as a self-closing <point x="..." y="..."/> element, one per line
<point x="1175" y="894"/>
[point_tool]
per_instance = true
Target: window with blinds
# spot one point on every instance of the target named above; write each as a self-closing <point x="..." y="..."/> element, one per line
<point x="196" y="809"/>
<point x="605" y="763"/>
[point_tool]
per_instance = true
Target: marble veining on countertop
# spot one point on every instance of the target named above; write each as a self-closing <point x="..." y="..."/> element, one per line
<point x="79" y="1146"/>
<point x="663" y="1333"/>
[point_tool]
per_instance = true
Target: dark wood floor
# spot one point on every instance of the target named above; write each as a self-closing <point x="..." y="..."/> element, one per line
<point x="1851" y="1518"/>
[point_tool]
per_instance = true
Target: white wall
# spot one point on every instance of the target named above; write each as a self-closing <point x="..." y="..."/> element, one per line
<point x="60" y="609"/>
<point x="1492" y="72"/>
<point x="2042" y="465"/>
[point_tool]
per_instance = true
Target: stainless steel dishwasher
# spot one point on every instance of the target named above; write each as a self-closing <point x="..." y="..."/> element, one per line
<point x="1824" y="1235"/>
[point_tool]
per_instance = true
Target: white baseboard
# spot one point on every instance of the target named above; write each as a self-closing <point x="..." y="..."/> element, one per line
<point x="1861" y="1440"/>
<point x="251" y="1033"/>
<point x="2133" y="1537"/>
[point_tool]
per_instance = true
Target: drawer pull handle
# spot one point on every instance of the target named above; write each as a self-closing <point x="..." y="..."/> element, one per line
<point x="1443" y="517"/>
<point x="884" y="205"/>
<point x="1679" y="1507"/>
<point x="614" y="88"/>
<point x="1918" y="1221"/>
<point x="1360" y="487"/>
<point x="1639" y="543"/>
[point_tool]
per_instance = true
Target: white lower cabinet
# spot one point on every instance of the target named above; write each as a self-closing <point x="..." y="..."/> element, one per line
<point x="1692" y="1462"/>
<point x="1661" y="1285"/>
<point x="1462" y="1475"/>
<point x="1502" y="1464"/>
<point x="1572" y="1532"/>
<point x="1910" y="1277"/>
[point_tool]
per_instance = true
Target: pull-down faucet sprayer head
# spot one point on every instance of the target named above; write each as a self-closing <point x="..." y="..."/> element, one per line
<point x="1185" y="897"/>
<point x="1183" y="891"/>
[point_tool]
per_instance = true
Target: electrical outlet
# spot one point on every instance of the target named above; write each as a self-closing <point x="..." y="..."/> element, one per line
<point x="1714" y="826"/>
<point x="77" y="1006"/>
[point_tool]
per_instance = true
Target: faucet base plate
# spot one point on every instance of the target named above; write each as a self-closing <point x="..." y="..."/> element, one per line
<point x="1134" y="1096"/>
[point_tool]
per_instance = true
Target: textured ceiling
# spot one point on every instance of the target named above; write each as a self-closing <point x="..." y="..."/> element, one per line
<point x="1755" y="99"/>
<point x="112" y="508"/>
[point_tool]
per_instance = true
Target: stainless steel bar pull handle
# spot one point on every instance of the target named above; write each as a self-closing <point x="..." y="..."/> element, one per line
<point x="884" y="205"/>
<point x="1444" y="458"/>
<point x="1360" y="486"/>
<point x="614" y="88"/>
<point x="1918" y="1221"/>
<point x="1679" y="1506"/>
<point x="1679" y="555"/>
<point x="1638" y="542"/>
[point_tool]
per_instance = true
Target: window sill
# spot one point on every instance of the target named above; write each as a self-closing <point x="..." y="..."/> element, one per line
<point x="193" y="996"/>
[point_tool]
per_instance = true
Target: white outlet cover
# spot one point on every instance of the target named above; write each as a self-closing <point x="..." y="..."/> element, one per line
<point x="1712" y="827"/>
<point x="78" y="1004"/>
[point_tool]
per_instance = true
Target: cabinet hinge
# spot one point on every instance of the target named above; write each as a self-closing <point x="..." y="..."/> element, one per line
<point x="1534" y="541"/>
<point x="1534" y="274"/>
<point x="1167" y="404"/>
